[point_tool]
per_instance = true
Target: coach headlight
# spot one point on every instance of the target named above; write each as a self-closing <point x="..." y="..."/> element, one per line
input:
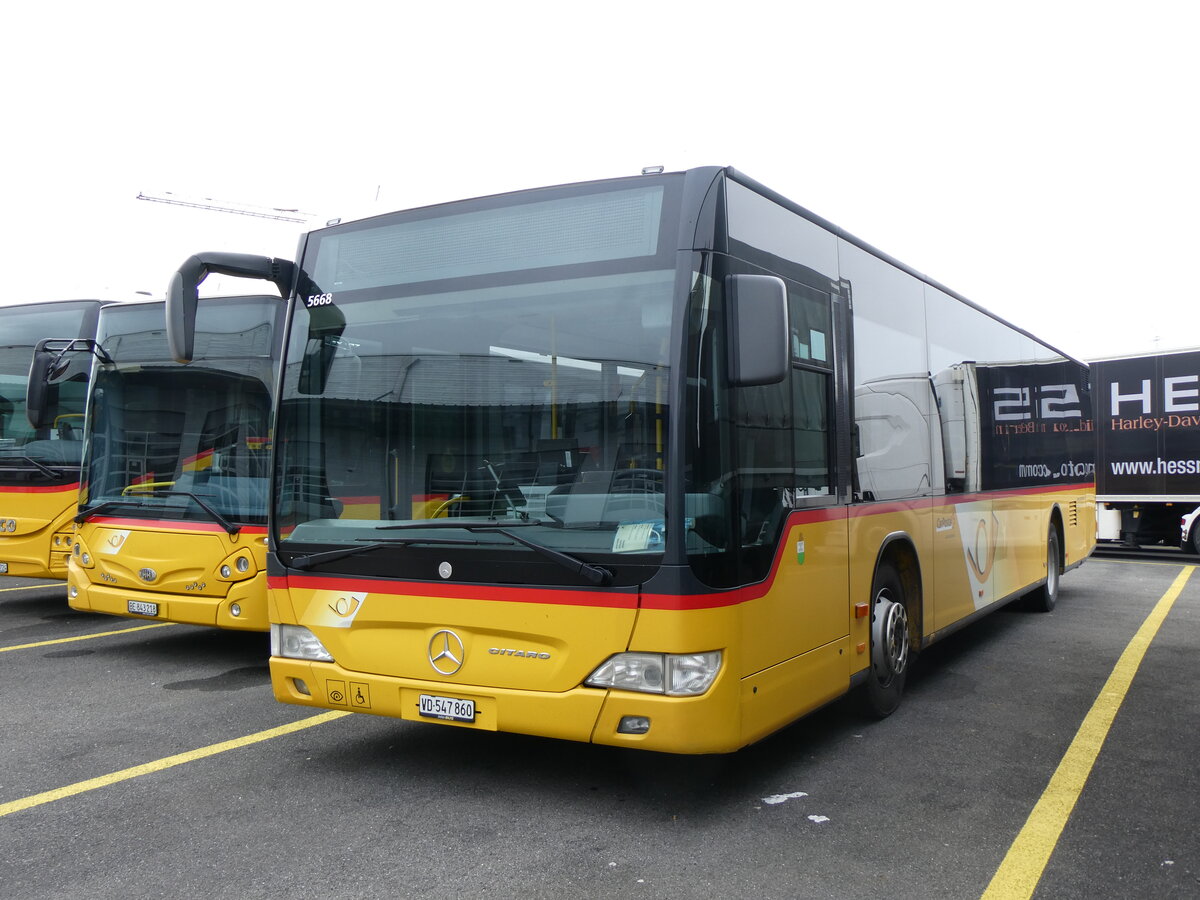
<point x="237" y="567"/>
<point x="297" y="642"/>
<point x="82" y="557"/>
<point x="674" y="674"/>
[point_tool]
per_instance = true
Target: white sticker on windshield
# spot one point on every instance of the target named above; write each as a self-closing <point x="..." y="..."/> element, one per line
<point x="634" y="536"/>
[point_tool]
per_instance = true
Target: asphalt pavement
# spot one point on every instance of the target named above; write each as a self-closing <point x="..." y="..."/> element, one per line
<point x="142" y="762"/>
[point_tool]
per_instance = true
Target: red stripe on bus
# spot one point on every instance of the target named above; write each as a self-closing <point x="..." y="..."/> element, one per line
<point x="171" y="523"/>
<point x="41" y="489"/>
<point x="611" y="600"/>
<point x="511" y="593"/>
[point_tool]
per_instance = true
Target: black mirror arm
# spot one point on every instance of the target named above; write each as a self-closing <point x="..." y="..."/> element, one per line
<point x="183" y="293"/>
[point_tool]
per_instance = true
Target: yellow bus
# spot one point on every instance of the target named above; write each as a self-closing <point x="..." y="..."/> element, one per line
<point x="662" y="462"/>
<point x="39" y="458"/>
<point x="172" y="510"/>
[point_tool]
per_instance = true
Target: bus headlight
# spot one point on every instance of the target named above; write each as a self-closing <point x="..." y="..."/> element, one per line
<point x="297" y="642"/>
<point x="237" y="567"/>
<point x="675" y="674"/>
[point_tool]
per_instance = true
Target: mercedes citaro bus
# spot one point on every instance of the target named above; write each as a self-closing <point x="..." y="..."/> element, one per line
<point x="172" y="510"/>
<point x="40" y="454"/>
<point x="662" y="462"/>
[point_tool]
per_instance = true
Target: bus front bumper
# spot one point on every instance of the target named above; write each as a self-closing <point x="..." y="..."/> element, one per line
<point x="686" y="725"/>
<point x="243" y="609"/>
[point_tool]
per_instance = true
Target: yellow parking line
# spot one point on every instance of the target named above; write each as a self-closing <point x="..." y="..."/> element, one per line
<point x="84" y="637"/>
<point x="1022" y="868"/>
<point x="34" y="587"/>
<point x="159" y="765"/>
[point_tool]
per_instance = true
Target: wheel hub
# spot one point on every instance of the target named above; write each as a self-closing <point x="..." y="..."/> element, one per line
<point x="889" y="638"/>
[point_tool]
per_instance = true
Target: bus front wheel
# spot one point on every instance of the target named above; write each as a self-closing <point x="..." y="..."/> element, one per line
<point x="889" y="644"/>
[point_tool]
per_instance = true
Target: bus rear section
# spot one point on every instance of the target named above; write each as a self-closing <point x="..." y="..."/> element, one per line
<point x="39" y="460"/>
<point x="663" y="462"/>
<point x="171" y="522"/>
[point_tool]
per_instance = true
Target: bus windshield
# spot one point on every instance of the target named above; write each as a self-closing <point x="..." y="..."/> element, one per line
<point x="46" y="455"/>
<point x="506" y="377"/>
<point x="186" y="442"/>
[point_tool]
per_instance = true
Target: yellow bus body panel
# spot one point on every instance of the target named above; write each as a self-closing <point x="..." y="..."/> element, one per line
<point x="513" y="638"/>
<point x="790" y="644"/>
<point x="40" y="514"/>
<point x="185" y="562"/>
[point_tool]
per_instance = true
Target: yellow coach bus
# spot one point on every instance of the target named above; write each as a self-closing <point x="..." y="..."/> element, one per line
<point x="39" y="456"/>
<point x="172" y="511"/>
<point x="662" y="462"/>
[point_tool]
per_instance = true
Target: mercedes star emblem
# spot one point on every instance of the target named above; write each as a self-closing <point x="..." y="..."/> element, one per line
<point x="446" y="653"/>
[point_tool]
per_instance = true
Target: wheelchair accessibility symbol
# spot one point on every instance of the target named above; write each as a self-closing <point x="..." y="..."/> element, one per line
<point x="357" y="696"/>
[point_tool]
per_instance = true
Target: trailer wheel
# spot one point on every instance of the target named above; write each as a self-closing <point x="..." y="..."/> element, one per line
<point x="889" y="644"/>
<point x="1045" y="596"/>
<point x="1195" y="536"/>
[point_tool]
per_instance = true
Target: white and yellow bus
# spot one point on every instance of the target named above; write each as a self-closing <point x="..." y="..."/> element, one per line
<point x="39" y="457"/>
<point x="172" y="510"/>
<point x="662" y="462"/>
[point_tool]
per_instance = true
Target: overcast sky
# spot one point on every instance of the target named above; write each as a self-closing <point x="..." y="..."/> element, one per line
<point x="1041" y="158"/>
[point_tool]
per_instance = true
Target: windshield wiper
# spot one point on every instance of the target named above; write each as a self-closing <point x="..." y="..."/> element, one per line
<point x="106" y="505"/>
<point x="229" y="527"/>
<point x="594" y="574"/>
<point x="40" y="467"/>
<point x="311" y="559"/>
<point x="453" y="523"/>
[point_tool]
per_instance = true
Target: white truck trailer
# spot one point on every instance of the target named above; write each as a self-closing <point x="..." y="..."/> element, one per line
<point x="1148" y="448"/>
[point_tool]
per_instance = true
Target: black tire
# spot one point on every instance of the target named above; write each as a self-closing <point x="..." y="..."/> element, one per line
<point x="890" y="643"/>
<point x="1044" y="597"/>
<point x="1195" y="536"/>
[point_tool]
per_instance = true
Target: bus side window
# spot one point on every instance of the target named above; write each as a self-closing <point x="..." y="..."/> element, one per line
<point x="810" y="403"/>
<point x="764" y="453"/>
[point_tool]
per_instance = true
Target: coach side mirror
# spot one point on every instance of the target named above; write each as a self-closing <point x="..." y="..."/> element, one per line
<point x="758" y="329"/>
<point x="52" y="360"/>
<point x="183" y="293"/>
<point x="37" y="388"/>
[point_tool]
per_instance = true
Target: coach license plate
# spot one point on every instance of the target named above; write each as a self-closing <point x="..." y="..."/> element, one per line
<point x="452" y="708"/>
<point x="142" y="608"/>
<point x="3" y="568"/>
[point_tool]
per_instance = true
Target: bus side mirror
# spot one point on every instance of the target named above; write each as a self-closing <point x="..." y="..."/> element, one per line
<point x="44" y="367"/>
<point x="325" y="327"/>
<point x="52" y="360"/>
<point x="316" y="365"/>
<point x="183" y="293"/>
<point x="758" y="329"/>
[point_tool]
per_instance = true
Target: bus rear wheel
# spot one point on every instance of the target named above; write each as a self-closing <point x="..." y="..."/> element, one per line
<point x="889" y="644"/>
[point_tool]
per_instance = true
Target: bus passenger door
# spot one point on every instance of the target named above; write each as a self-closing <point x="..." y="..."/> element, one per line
<point x="803" y="612"/>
